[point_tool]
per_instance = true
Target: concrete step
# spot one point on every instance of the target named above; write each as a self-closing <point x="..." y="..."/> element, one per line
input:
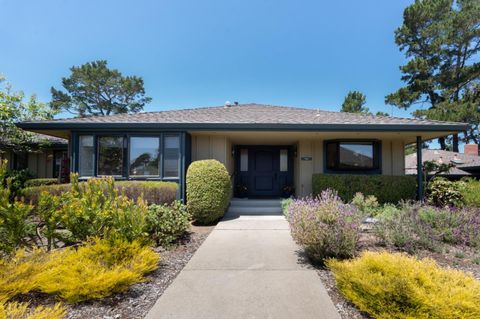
<point x="258" y="210"/>
<point x="241" y="202"/>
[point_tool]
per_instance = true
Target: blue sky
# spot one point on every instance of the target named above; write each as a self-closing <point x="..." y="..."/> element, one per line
<point x="202" y="53"/>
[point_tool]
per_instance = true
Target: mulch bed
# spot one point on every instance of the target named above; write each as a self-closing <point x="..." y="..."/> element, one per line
<point x="459" y="258"/>
<point x="140" y="298"/>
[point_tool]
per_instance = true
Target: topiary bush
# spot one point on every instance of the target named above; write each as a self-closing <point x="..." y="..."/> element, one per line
<point x="396" y="286"/>
<point x="208" y="190"/>
<point x="166" y="223"/>
<point x="325" y="226"/>
<point x="387" y="189"/>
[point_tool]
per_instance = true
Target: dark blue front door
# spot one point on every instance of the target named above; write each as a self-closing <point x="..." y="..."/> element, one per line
<point x="263" y="171"/>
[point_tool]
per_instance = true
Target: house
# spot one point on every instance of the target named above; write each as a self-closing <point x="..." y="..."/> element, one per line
<point x="264" y="147"/>
<point x="466" y="164"/>
<point x="46" y="158"/>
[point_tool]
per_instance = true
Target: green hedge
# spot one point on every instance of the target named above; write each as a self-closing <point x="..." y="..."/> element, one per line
<point x="208" y="190"/>
<point x="41" y="181"/>
<point x="154" y="192"/>
<point x="387" y="189"/>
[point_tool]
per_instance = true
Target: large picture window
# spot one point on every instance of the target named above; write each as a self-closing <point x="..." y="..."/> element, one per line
<point x="86" y="155"/>
<point x="353" y="156"/>
<point x="171" y="155"/>
<point x="110" y="155"/>
<point x="144" y="156"/>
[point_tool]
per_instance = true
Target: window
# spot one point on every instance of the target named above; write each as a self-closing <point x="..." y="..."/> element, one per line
<point x="244" y="160"/>
<point x="86" y="155"/>
<point x="144" y="155"/>
<point x="110" y="155"/>
<point x="283" y="160"/>
<point x="171" y="155"/>
<point x="352" y="156"/>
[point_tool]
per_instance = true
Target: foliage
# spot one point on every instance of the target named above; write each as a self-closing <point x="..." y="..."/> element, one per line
<point x="14" y="109"/>
<point x="96" y="270"/>
<point x="94" y="89"/>
<point x="49" y="219"/>
<point x="325" y="226"/>
<point x="16" y="310"/>
<point x="441" y="39"/>
<point x="166" y="223"/>
<point x="285" y="205"/>
<point x="395" y="286"/>
<point x="208" y="190"/>
<point x="387" y="189"/>
<point x="153" y="192"/>
<point x="16" y="180"/>
<point x="368" y="205"/>
<point x="40" y="182"/>
<point x="355" y="103"/>
<point x="442" y="192"/>
<point x="414" y="226"/>
<point x="471" y="192"/>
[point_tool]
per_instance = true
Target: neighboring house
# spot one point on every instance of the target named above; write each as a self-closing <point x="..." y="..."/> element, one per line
<point x="264" y="147"/>
<point x="466" y="164"/>
<point x="47" y="157"/>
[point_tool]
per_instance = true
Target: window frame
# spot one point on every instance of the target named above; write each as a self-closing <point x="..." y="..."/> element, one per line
<point x="377" y="157"/>
<point x="97" y="155"/>
<point x="160" y="157"/>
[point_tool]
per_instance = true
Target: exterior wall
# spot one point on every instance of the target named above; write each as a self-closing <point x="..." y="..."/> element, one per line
<point x="213" y="147"/>
<point x="39" y="163"/>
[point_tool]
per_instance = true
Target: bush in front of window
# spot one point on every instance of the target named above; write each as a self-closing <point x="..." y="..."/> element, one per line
<point x="208" y="190"/>
<point x="387" y="189"/>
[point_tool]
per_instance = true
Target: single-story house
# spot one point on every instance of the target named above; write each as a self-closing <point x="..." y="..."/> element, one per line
<point x="465" y="164"/>
<point x="46" y="157"/>
<point x="264" y="147"/>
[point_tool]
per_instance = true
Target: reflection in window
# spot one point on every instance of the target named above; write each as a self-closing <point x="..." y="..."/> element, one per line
<point x="171" y="155"/>
<point x="144" y="155"/>
<point x="352" y="155"/>
<point x="244" y="160"/>
<point x="86" y="155"/>
<point x="110" y="155"/>
<point x="283" y="160"/>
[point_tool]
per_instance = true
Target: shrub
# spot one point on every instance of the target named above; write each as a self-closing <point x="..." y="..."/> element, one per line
<point x="167" y="222"/>
<point x="367" y="205"/>
<point x="387" y="189"/>
<point x="442" y="192"/>
<point x="16" y="310"/>
<point x="154" y="192"/>
<point x="96" y="270"/>
<point x="395" y="286"/>
<point x="41" y="181"/>
<point x="14" y="180"/>
<point x="208" y="190"/>
<point x="414" y="226"/>
<point x="49" y="218"/>
<point x="471" y="192"/>
<point x="325" y="226"/>
<point x="285" y="205"/>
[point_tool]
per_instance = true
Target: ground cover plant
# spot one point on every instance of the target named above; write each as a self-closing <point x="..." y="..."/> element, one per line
<point x="325" y="226"/>
<point x="397" y="286"/>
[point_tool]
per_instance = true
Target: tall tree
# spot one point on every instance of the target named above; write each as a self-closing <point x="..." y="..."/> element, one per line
<point x="441" y="39"/>
<point x="354" y="102"/>
<point x="93" y="89"/>
<point x="14" y="109"/>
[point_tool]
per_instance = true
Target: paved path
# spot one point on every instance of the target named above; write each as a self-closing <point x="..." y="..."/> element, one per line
<point x="247" y="268"/>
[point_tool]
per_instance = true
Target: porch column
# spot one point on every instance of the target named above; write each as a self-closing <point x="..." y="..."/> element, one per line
<point x="419" y="169"/>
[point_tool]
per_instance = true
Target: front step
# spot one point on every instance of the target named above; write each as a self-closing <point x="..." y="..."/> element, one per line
<point x="255" y="206"/>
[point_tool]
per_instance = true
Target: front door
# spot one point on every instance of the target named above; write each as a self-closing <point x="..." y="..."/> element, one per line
<point x="263" y="171"/>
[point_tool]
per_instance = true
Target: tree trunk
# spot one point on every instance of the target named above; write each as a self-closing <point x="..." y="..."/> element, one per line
<point x="455" y="143"/>
<point x="441" y="141"/>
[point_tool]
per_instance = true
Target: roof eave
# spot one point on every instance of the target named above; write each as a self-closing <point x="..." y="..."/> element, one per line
<point x="249" y="126"/>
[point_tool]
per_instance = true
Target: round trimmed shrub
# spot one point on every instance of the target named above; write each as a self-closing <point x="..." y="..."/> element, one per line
<point x="208" y="190"/>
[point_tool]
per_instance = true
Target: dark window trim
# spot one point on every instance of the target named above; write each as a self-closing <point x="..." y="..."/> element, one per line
<point x="159" y="176"/>
<point x="377" y="157"/>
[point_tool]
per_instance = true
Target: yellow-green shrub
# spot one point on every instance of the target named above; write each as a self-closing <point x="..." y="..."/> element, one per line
<point x="208" y="190"/>
<point x="15" y="310"/>
<point x="96" y="270"/>
<point x="397" y="286"/>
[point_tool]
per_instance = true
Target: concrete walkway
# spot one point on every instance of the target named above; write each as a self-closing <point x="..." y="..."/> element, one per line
<point x="247" y="268"/>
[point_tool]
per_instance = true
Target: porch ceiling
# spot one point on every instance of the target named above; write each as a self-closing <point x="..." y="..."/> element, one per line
<point x="285" y="138"/>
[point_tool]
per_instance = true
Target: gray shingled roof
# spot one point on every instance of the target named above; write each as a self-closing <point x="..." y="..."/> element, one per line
<point x="250" y="114"/>
<point x="461" y="161"/>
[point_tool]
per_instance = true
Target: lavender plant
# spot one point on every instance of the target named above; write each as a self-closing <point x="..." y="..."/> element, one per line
<point x="325" y="226"/>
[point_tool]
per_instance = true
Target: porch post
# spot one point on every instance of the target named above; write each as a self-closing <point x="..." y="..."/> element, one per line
<point x="419" y="169"/>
